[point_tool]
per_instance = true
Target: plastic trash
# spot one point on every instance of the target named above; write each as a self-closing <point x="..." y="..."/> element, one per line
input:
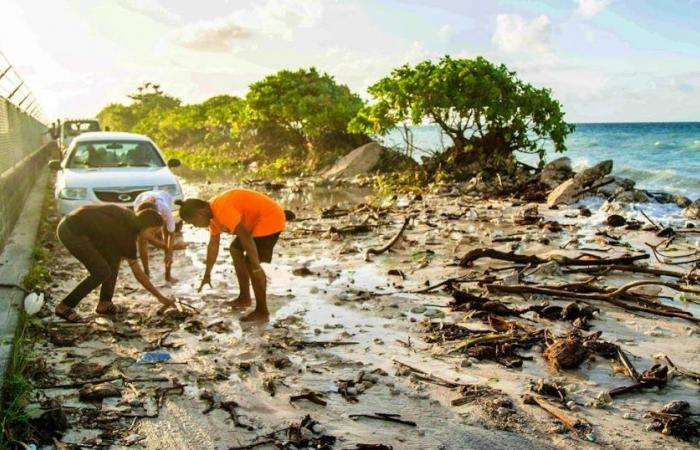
<point x="153" y="357"/>
<point x="33" y="303"/>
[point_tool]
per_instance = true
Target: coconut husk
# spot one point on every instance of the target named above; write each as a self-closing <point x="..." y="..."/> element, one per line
<point x="566" y="352"/>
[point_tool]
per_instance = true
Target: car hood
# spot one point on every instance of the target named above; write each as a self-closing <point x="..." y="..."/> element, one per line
<point x="121" y="177"/>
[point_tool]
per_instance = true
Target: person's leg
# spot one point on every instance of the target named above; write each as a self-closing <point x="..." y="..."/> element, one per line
<point x="107" y="289"/>
<point x="241" y="267"/>
<point x="265" y="246"/>
<point x="84" y="250"/>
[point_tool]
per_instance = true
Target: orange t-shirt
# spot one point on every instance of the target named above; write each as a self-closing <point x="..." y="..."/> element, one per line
<point x="258" y="213"/>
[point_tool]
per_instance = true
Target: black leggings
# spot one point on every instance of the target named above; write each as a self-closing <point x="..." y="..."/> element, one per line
<point x="103" y="268"/>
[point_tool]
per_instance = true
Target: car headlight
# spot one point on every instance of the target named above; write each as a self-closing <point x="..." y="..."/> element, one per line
<point x="171" y="189"/>
<point x="73" y="193"/>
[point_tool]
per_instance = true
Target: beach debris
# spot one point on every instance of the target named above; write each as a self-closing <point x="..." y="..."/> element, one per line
<point x="566" y="352"/>
<point x="390" y="244"/>
<point x="153" y="357"/>
<point x="303" y="272"/>
<point x="350" y="389"/>
<point x="686" y="373"/>
<point x="372" y="447"/>
<point x="313" y="397"/>
<point x="98" y="392"/>
<point x="386" y="417"/>
<point x="570" y="422"/>
<point x="51" y="423"/>
<point x="214" y="401"/>
<point x="675" y="419"/>
<point x="304" y="434"/>
<point x="473" y="392"/>
<point x="548" y="389"/>
<point x="533" y="260"/>
<point x="33" y="303"/>
<point x="656" y="376"/>
<point x="87" y="370"/>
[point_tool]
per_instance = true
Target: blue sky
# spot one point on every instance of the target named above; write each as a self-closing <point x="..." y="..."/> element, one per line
<point x="605" y="60"/>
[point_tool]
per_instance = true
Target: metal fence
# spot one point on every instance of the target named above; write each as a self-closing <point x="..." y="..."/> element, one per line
<point x="21" y="129"/>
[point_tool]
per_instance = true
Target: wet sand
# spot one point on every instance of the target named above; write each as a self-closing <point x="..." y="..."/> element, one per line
<point x="343" y="298"/>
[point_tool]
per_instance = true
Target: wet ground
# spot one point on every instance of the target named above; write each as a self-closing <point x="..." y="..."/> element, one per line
<point x="348" y="330"/>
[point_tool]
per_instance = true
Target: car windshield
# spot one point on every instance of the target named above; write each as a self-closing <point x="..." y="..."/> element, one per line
<point x="76" y="128"/>
<point x="114" y="154"/>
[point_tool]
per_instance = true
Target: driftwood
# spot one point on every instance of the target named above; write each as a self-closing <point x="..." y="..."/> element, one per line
<point x="386" y="418"/>
<point x="686" y="373"/>
<point x="634" y="269"/>
<point x="387" y="247"/>
<point x="610" y="297"/>
<point x="534" y="260"/>
<point x="106" y="380"/>
<point x="569" y="422"/>
<point x="313" y="397"/>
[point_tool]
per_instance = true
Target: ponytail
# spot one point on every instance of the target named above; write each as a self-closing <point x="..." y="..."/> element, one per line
<point x="189" y="207"/>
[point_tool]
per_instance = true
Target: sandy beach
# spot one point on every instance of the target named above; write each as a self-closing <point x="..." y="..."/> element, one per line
<point x="354" y="333"/>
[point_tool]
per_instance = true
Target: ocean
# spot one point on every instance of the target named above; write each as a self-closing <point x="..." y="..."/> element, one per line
<point x="658" y="156"/>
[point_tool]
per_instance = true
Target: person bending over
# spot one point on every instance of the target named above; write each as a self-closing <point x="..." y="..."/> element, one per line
<point x="99" y="236"/>
<point x="162" y="203"/>
<point x="257" y="222"/>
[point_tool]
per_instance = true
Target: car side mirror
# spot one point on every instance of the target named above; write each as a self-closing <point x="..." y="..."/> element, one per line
<point x="55" y="164"/>
<point x="174" y="163"/>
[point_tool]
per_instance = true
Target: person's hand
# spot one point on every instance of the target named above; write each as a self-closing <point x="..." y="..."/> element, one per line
<point x="166" y="302"/>
<point x="205" y="280"/>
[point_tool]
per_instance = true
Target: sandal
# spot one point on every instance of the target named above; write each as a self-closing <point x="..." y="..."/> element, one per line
<point x="113" y="310"/>
<point x="69" y="315"/>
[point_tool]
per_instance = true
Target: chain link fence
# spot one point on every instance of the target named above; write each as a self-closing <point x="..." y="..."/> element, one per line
<point x="20" y="135"/>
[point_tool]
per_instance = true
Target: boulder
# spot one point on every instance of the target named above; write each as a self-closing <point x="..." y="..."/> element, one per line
<point x="609" y="189"/>
<point x="682" y="201"/>
<point x="556" y="172"/>
<point x="563" y="194"/>
<point x="693" y="210"/>
<point x="630" y="196"/>
<point x="368" y="159"/>
<point x="570" y="189"/>
<point x="588" y="176"/>
<point x="362" y="160"/>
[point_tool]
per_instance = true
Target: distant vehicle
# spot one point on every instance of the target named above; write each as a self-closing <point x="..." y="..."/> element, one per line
<point x="64" y="132"/>
<point x="111" y="167"/>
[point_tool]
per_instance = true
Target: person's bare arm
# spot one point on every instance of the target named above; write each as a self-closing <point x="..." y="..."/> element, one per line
<point x="212" y="254"/>
<point x="143" y="254"/>
<point x="146" y="283"/>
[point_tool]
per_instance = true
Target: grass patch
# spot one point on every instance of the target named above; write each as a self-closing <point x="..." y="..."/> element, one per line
<point x="18" y="389"/>
<point x="15" y="425"/>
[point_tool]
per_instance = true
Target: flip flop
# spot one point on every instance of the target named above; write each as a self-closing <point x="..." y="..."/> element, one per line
<point x="69" y="315"/>
<point x="113" y="310"/>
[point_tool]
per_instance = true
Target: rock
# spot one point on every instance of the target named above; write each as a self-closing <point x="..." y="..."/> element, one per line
<point x="97" y="392"/>
<point x="549" y="269"/>
<point x="616" y="220"/>
<point x="616" y="183"/>
<point x="563" y="194"/>
<point x="466" y="363"/>
<point x="588" y="176"/>
<point x="693" y="210"/>
<point x="568" y="191"/>
<point x="367" y="159"/>
<point x="682" y="201"/>
<point x="556" y="172"/>
<point x="676" y="407"/>
<point x="584" y="212"/>
<point x="631" y="196"/>
<point x="87" y="370"/>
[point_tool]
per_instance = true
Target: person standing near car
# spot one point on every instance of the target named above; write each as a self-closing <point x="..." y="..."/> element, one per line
<point x="99" y="236"/>
<point x="162" y="203"/>
<point x="257" y="221"/>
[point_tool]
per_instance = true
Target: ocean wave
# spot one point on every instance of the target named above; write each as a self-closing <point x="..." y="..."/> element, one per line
<point x="661" y="144"/>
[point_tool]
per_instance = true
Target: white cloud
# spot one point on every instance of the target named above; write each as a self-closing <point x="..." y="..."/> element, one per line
<point x="589" y="8"/>
<point x="213" y="36"/>
<point x="514" y="34"/>
<point x="273" y="18"/>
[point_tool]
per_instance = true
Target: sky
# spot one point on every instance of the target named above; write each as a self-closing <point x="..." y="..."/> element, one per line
<point x="605" y="60"/>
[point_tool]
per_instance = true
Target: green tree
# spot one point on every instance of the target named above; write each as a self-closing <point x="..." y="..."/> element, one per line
<point x="486" y="111"/>
<point x="117" y="117"/>
<point x="302" y="113"/>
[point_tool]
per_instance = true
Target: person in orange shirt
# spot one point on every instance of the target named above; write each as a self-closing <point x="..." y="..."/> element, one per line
<point x="257" y="222"/>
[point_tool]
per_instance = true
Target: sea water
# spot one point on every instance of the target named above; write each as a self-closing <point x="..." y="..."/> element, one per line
<point x="658" y="156"/>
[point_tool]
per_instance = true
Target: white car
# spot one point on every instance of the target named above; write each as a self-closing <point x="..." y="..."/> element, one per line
<point x="110" y="167"/>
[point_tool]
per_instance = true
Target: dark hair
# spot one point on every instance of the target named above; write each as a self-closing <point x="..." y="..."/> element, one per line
<point x="148" y="218"/>
<point x="148" y="204"/>
<point x="189" y="207"/>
